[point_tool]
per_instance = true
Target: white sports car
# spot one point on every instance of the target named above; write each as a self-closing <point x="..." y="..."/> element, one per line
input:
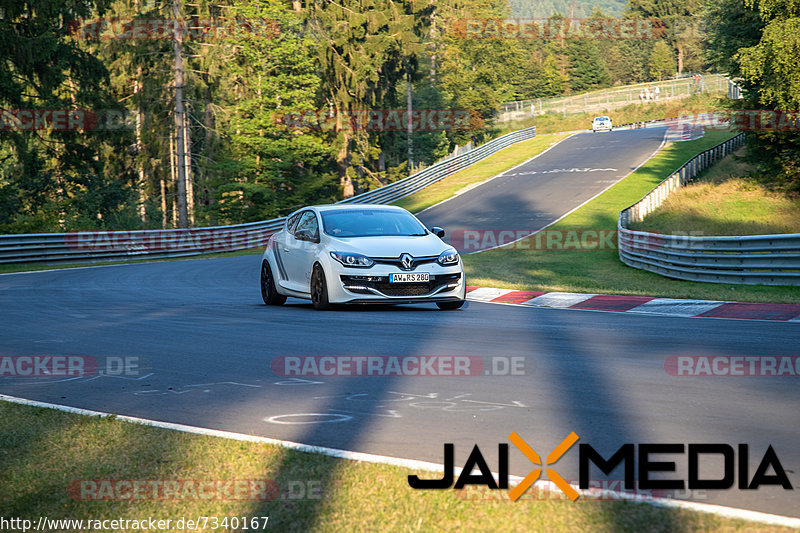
<point x="335" y="254"/>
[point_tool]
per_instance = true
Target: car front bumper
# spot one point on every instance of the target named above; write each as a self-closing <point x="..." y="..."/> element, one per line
<point x="371" y="285"/>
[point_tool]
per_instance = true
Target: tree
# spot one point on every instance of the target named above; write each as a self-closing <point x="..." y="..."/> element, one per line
<point x="49" y="177"/>
<point x="366" y="47"/>
<point x="680" y="20"/>
<point x="662" y="64"/>
<point x="773" y="63"/>
<point x="729" y="27"/>
<point x="476" y="74"/>
<point x="587" y="68"/>
<point x="267" y="167"/>
<point x="761" y="42"/>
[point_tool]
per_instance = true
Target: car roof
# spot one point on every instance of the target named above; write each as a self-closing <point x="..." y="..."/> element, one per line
<point x="345" y="207"/>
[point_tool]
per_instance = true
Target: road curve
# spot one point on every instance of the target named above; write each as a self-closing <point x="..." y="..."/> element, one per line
<point x="534" y="194"/>
<point x="209" y="343"/>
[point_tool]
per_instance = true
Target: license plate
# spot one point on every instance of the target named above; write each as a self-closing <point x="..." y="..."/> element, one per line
<point x="414" y="277"/>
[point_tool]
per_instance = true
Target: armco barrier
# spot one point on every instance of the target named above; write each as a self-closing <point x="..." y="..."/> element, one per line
<point x="94" y="246"/>
<point x="756" y="259"/>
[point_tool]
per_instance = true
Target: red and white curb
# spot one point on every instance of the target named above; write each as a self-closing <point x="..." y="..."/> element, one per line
<point x="638" y="304"/>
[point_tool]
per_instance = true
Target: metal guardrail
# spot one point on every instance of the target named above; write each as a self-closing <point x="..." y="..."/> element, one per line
<point x="442" y="169"/>
<point x="102" y="246"/>
<point x="752" y="259"/>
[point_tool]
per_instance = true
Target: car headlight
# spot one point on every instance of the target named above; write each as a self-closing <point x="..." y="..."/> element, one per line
<point x="353" y="260"/>
<point x="448" y="257"/>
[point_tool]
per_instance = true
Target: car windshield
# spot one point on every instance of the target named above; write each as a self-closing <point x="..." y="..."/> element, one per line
<point x="371" y="223"/>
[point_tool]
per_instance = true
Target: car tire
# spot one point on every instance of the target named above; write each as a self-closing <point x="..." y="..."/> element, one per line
<point x="319" y="289"/>
<point x="450" y="306"/>
<point x="269" y="293"/>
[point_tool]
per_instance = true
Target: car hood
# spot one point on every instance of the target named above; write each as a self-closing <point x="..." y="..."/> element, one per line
<point x="390" y="246"/>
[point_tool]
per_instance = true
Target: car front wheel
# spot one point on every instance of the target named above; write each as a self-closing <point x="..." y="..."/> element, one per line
<point x="268" y="292"/>
<point x="319" y="289"/>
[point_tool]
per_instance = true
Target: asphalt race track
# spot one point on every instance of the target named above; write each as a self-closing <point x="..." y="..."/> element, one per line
<point x="534" y="194"/>
<point x="204" y="344"/>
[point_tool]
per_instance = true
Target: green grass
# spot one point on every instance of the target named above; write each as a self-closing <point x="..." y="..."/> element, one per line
<point x="43" y="451"/>
<point x="600" y="271"/>
<point x="479" y="172"/>
<point x="726" y="201"/>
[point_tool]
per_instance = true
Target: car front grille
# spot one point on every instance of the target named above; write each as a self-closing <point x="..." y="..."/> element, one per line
<point x="363" y="284"/>
<point x="396" y="261"/>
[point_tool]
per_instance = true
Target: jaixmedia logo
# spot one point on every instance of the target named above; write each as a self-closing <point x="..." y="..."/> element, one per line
<point x="635" y="459"/>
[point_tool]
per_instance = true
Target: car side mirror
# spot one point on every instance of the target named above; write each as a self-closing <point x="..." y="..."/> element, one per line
<point x="439" y="232"/>
<point x="305" y="235"/>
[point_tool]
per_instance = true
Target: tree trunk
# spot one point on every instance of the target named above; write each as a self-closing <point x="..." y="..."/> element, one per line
<point x="187" y="154"/>
<point x="343" y="157"/>
<point x="343" y="162"/>
<point x="209" y="146"/>
<point x="164" y="200"/>
<point x="180" y="119"/>
<point x="142" y="181"/>
<point x="410" y="132"/>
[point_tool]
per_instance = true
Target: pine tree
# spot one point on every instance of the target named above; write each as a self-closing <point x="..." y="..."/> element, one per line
<point x="366" y="47"/>
<point x="662" y="64"/>
<point x="53" y="179"/>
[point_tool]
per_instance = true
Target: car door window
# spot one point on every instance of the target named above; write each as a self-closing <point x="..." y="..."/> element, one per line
<point x="292" y="222"/>
<point x="308" y="221"/>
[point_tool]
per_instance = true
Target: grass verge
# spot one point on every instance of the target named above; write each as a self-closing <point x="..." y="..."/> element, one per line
<point x="479" y="172"/>
<point x="600" y="271"/>
<point x="725" y="201"/>
<point x="44" y="452"/>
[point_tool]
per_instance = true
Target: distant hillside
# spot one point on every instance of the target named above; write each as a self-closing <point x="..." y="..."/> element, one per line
<point x="568" y="8"/>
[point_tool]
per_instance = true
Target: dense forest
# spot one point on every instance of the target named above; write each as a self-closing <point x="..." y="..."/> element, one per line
<point x="568" y="8"/>
<point x="163" y="113"/>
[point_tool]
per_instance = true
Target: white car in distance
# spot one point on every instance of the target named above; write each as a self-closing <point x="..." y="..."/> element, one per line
<point x="601" y="124"/>
<point x="337" y="254"/>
